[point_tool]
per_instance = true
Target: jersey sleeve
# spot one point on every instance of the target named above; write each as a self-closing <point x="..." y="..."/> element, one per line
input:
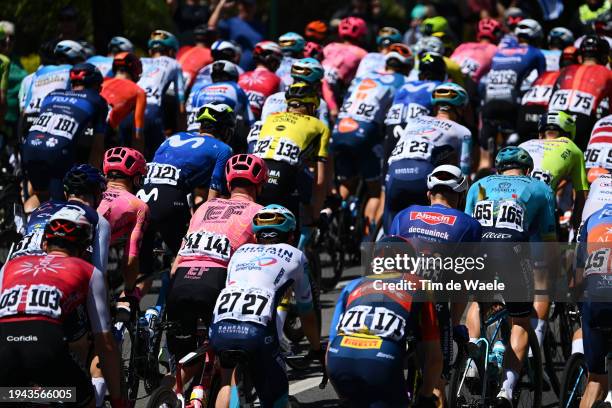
<point x="465" y="158"/>
<point x="24" y="91"/>
<point x="470" y="200"/>
<point x="547" y="224"/>
<point x="323" y="151"/>
<point x="540" y="62"/>
<point x="99" y="121"/>
<point x="578" y="175"/>
<point x="5" y="64"/>
<point x="248" y="112"/>
<point x="179" y="83"/>
<point x="340" y="308"/>
<point x="217" y="180"/>
<point x="142" y="219"/>
<point x="139" y="110"/>
<point x="97" y="305"/>
<point x="581" y="249"/>
<point x="303" y="295"/>
<point x="101" y="244"/>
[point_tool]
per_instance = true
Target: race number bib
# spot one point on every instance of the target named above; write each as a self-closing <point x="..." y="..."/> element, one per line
<point x="375" y="321"/>
<point x="262" y="145"/>
<point x="542" y="175"/>
<point x="483" y="212"/>
<point x="394" y="115"/>
<point x="411" y="149"/>
<point x="598" y="155"/>
<point x="501" y="84"/>
<point x="41" y="300"/>
<point x="244" y="304"/>
<point x="158" y="173"/>
<point x="573" y="101"/>
<point x="56" y="125"/>
<point x="192" y="124"/>
<point x="538" y="94"/>
<point x="201" y="243"/>
<point x="414" y="110"/>
<point x="510" y="215"/>
<point x="31" y="242"/>
<point x="9" y="300"/>
<point x="287" y="151"/>
<point x="598" y="262"/>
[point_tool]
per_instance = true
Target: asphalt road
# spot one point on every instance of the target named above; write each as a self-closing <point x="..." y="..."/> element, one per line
<point x="304" y="385"/>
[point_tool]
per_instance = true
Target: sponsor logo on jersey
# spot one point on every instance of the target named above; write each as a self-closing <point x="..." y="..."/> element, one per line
<point x="433" y="218"/>
<point x="360" y="343"/>
<point x="347" y="125"/>
<point x="496" y="235"/>
<point x="264" y="260"/>
<point x="366" y="84"/>
<point x="504" y="187"/>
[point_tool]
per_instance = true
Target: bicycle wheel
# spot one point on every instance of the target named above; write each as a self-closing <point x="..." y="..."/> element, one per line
<point x="553" y="356"/>
<point x="129" y="359"/>
<point x="528" y="390"/>
<point x="467" y="380"/>
<point x="293" y="326"/>
<point x="573" y="381"/>
<point x="163" y="397"/>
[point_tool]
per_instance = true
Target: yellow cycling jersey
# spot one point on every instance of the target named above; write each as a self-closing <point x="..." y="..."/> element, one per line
<point x="454" y="71"/>
<point x="292" y="138"/>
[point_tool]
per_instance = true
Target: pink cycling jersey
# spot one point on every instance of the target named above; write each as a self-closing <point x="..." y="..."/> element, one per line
<point x="128" y="217"/>
<point x="216" y="230"/>
<point x="474" y="58"/>
<point x="340" y="62"/>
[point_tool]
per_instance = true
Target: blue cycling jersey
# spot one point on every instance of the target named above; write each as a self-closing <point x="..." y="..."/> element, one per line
<point x="189" y="160"/>
<point x="228" y="93"/>
<point x="104" y="64"/>
<point x="518" y="204"/>
<point x="594" y="254"/>
<point x="411" y="100"/>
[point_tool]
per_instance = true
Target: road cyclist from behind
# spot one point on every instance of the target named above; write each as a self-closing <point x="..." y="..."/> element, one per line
<point x="375" y="61"/>
<point x="475" y="58"/>
<point x="116" y="46"/>
<point x="220" y="50"/>
<point x="292" y="46"/>
<point x="598" y="154"/>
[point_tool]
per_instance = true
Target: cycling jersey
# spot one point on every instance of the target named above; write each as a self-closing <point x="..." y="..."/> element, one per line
<point x="599" y="150"/>
<point x="340" y="62"/>
<point x="35" y="87"/>
<point x="277" y="103"/>
<point x="581" y="88"/>
<point x="453" y="70"/>
<point x="216" y="230"/>
<point x="203" y="77"/>
<point x="158" y="74"/>
<point x="600" y="194"/>
<point x="284" y="72"/>
<point x="474" y="58"/>
<point x="124" y="97"/>
<point x="372" y="62"/>
<point x="103" y="63"/>
<point x="541" y="90"/>
<point x="555" y="160"/>
<point x="553" y="57"/>
<point x="259" y="84"/>
<point x="411" y="100"/>
<point x="192" y="60"/>
<point x="228" y="93"/>
<point x="128" y="217"/>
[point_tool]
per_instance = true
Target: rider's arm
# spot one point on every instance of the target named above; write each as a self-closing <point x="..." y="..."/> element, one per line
<point x="470" y="199"/>
<point x="303" y="297"/>
<point x="465" y="160"/>
<point x="581" y="188"/>
<point x="340" y="308"/>
<point x="213" y="21"/>
<point x="99" y="129"/>
<point x="99" y="316"/>
<point x="547" y="226"/>
<point x="328" y="96"/>
<point x="218" y="184"/>
<point x="100" y="244"/>
<point x="139" y="117"/>
<point x="320" y="188"/>
<point x="132" y="248"/>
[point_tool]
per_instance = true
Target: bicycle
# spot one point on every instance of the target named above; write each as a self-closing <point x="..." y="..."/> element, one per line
<point x="477" y="359"/>
<point x="573" y="381"/>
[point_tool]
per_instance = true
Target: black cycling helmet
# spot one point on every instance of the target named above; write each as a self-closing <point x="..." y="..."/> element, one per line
<point x="431" y="67"/>
<point x="205" y="34"/>
<point x="86" y="74"/>
<point x="224" y="71"/>
<point x="218" y="118"/>
<point x="593" y="46"/>
<point x="84" y="179"/>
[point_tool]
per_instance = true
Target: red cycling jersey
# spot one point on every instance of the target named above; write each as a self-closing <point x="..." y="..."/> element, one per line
<point x="581" y="88"/>
<point x="124" y="96"/>
<point x="50" y="287"/>
<point x="258" y="85"/>
<point x="193" y="59"/>
<point x="542" y="89"/>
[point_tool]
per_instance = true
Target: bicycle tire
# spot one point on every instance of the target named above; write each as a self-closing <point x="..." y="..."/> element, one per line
<point x="575" y="367"/>
<point x="533" y="373"/>
<point x="551" y="359"/>
<point x="163" y="397"/>
<point x="468" y="393"/>
<point x="131" y="381"/>
<point x="293" y="327"/>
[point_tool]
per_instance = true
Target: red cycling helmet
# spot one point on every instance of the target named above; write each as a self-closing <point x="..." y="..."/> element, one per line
<point x="129" y="62"/>
<point x="569" y="56"/>
<point x="313" y="50"/>
<point x="248" y="167"/>
<point x="352" y="27"/>
<point x="124" y="160"/>
<point x="316" y="30"/>
<point x="489" y="28"/>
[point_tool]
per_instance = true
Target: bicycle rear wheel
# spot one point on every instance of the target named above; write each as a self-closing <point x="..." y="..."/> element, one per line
<point x="163" y="397"/>
<point x="528" y="390"/>
<point x="573" y="381"/>
<point x="129" y="357"/>
<point x="465" y="389"/>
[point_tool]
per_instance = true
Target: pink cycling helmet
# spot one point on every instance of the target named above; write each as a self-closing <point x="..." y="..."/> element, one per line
<point x="489" y="28"/>
<point x="352" y="27"/>
<point x="246" y="166"/>
<point x="125" y="160"/>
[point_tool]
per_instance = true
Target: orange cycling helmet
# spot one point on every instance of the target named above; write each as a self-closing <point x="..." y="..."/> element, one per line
<point x="316" y="30"/>
<point x="129" y="62"/>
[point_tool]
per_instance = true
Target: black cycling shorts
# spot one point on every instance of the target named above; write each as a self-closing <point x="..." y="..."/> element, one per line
<point x="281" y="187"/>
<point x="494" y="113"/>
<point x="528" y="121"/>
<point x="34" y="352"/>
<point x="192" y="295"/>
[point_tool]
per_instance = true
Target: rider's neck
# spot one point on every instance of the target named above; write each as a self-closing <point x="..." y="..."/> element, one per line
<point x="513" y="172"/>
<point x="120" y="184"/>
<point x="242" y="193"/>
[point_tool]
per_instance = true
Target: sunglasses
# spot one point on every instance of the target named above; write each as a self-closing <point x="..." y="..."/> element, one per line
<point x="159" y="35"/>
<point x="296" y="104"/>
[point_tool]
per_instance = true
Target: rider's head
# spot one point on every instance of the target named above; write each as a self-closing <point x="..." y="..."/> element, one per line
<point x="68" y="231"/>
<point x="205" y="35"/>
<point x="307" y="70"/>
<point x="224" y="71"/>
<point x="302" y="98"/>
<point x="430" y="44"/>
<point x="268" y="54"/>
<point x="594" y="48"/>
<point x="559" y="38"/>
<point x="86" y="183"/>
<point x="226" y="50"/>
<point x="432" y="25"/>
<point x="316" y="31"/>
<point x="449" y="98"/>
<point x="217" y="119"/>
<point x="162" y="42"/>
<point x="513" y="158"/>
<point x="529" y="31"/>
<point x="399" y="59"/>
<point x="129" y="64"/>
<point x="292" y="44"/>
<point x="86" y="76"/>
<point x="386" y="250"/>
<point x="446" y="185"/>
<point x="569" y="56"/>
<point x="489" y="29"/>
<point x="119" y="44"/>
<point x="246" y="173"/>
<point x="431" y="67"/>
<point x="124" y="163"/>
<point x="512" y="17"/>
<point x="274" y="224"/>
<point x="313" y="50"/>
<point x="556" y="124"/>
<point x="352" y="29"/>
<point x="387" y="36"/>
<point x="69" y="52"/>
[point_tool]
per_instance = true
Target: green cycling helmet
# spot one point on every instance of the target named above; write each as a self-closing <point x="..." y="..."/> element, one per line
<point x="432" y="25"/>
<point x="561" y="121"/>
<point x="513" y="157"/>
<point x="449" y="93"/>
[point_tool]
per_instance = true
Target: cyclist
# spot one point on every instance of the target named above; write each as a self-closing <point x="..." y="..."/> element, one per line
<point x="316" y="31"/>
<point x="47" y="78"/>
<point x="161" y="75"/>
<point x="266" y="269"/>
<point x="442" y="227"/>
<point x="186" y="163"/>
<point x="581" y="88"/>
<point x="512" y="207"/>
<point x="365" y="359"/>
<point x="475" y="58"/>
<point x="357" y="137"/>
<point x="599" y="148"/>
<point x="592" y="271"/>
<point x="59" y="137"/>
<point x="424" y="143"/>
<point x="512" y="17"/>
<point x="558" y="39"/>
<point x="313" y="50"/>
<point x="115" y="46"/>
<point x="556" y="158"/>
<point x="125" y="97"/>
<point x="39" y="292"/>
<point x="374" y="62"/>
<point x="193" y="58"/>
<point x="511" y="65"/>
<point x="434" y="45"/>
<point x="600" y="194"/>
<point x="216" y="230"/>
<point x="221" y="50"/>
<point x="292" y="46"/>
<point x="262" y="82"/>
<point x="128" y="216"/>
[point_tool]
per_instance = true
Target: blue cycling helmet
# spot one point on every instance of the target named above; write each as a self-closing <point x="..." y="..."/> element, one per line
<point x="291" y="42"/>
<point x="560" y="37"/>
<point x="308" y="70"/>
<point x="513" y="157"/>
<point x="387" y="36"/>
<point x="84" y="179"/>
<point x="449" y="93"/>
<point x="120" y="44"/>
<point x="163" y="39"/>
<point x="274" y="217"/>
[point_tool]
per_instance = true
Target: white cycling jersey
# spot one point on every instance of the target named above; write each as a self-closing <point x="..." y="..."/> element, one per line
<point x="277" y="103"/>
<point x="284" y="72"/>
<point x="257" y="278"/>
<point x="372" y="62"/>
<point x="41" y="83"/>
<point x="599" y="150"/>
<point x="600" y="194"/>
<point x="157" y="75"/>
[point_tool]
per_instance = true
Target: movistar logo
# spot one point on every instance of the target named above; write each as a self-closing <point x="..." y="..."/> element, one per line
<point x="175" y="141"/>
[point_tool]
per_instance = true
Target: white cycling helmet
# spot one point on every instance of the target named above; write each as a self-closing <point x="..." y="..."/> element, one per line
<point x="226" y="50"/>
<point x="529" y="28"/>
<point x="120" y="44"/>
<point x="457" y="181"/>
<point x="71" y="50"/>
<point x="223" y="70"/>
<point x="431" y="44"/>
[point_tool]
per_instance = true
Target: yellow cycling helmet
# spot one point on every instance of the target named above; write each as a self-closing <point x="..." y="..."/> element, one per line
<point x="304" y="93"/>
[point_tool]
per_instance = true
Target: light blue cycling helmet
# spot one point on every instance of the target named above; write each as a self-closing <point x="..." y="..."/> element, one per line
<point x="513" y="157"/>
<point x="388" y="35"/>
<point x="291" y="42"/>
<point x="560" y="37"/>
<point x="163" y="39"/>
<point x="449" y="93"/>
<point x="308" y="70"/>
<point x="274" y="217"/>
